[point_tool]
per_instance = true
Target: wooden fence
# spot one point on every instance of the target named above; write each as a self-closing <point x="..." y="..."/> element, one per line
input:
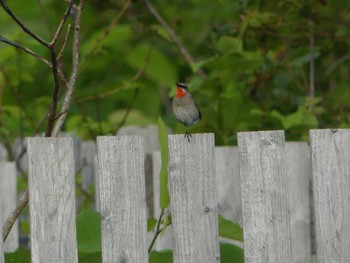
<point x="269" y="194"/>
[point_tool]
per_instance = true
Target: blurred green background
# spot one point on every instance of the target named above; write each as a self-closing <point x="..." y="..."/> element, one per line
<point x="256" y="56"/>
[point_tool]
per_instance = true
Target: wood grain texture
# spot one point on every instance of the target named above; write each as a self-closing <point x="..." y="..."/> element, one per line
<point x="52" y="200"/>
<point x="193" y="198"/>
<point x="228" y="183"/>
<point x="122" y="199"/>
<point x="2" y="260"/>
<point x="8" y="199"/>
<point x="263" y="173"/>
<point x="330" y="151"/>
<point x="298" y="179"/>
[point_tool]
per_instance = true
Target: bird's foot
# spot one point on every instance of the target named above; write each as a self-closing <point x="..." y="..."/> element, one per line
<point x="188" y="136"/>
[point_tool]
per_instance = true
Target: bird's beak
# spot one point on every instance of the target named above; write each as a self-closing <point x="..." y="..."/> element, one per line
<point x="177" y="84"/>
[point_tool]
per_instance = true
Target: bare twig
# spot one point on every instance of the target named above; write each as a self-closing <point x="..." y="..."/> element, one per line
<point x="120" y="88"/>
<point x="31" y="52"/>
<point x="75" y="66"/>
<point x="158" y="231"/>
<point x="22" y="203"/>
<point x="61" y="24"/>
<point x="64" y="43"/>
<point x="174" y="37"/>
<point x="110" y="92"/>
<point x="24" y="28"/>
<point x="27" y="50"/>
<point x="132" y="103"/>
<point x="53" y="106"/>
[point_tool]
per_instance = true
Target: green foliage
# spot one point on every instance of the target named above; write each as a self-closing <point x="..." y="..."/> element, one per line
<point x="165" y="256"/>
<point x="20" y="255"/>
<point x="163" y="141"/>
<point x="151" y="223"/>
<point x="89" y="232"/>
<point x="255" y="54"/>
<point x="230" y="230"/>
<point x="231" y="254"/>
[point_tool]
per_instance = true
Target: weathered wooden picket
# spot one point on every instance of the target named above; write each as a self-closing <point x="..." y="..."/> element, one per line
<point x="272" y="185"/>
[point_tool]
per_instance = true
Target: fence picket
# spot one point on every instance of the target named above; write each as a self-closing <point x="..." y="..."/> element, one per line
<point x="122" y="198"/>
<point x="8" y="195"/>
<point x="330" y="151"/>
<point x="52" y="200"/>
<point x="193" y="199"/>
<point x="264" y="197"/>
<point x="2" y="260"/>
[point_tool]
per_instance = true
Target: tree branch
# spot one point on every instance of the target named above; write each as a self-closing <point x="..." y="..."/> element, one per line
<point x="24" y="28"/>
<point x="174" y="37"/>
<point x="75" y="67"/>
<point x="64" y="43"/>
<point x="27" y="50"/>
<point x="53" y="106"/>
<point x="61" y="24"/>
<point x="22" y="203"/>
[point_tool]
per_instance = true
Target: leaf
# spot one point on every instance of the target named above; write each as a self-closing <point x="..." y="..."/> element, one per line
<point x="231" y="254"/>
<point x="89" y="231"/>
<point x="163" y="141"/>
<point x="164" y="256"/>
<point x="229" y="229"/>
<point x="151" y="223"/>
<point x="230" y="45"/>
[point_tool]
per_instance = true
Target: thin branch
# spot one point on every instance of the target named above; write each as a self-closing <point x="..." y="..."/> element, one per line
<point x="132" y="103"/>
<point x="174" y="37"/>
<point x="110" y="92"/>
<point x="75" y="67"/>
<point x="22" y="203"/>
<point x="27" y="50"/>
<point x="31" y="52"/>
<point x="53" y="107"/>
<point x="105" y="33"/>
<point x="64" y="43"/>
<point x="24" y="28"/>
<point x="158" y="231"/>
<point x="61" y="24"/>
<point x="120" y="88"/>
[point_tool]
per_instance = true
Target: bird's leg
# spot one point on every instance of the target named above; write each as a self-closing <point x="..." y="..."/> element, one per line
<point x="188" y="135"/>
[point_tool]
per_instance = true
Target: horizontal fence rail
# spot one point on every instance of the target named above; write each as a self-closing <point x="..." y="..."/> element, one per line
<point x="265" y="184"/>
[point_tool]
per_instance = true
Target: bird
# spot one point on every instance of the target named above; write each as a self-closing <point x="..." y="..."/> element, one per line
<point x="185" y="108"/>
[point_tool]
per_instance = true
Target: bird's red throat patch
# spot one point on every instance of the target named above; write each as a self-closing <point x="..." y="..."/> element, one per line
<point x="180" y="92"/>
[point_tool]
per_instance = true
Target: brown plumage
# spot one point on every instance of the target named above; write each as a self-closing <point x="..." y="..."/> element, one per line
<point x="185" y="108"/>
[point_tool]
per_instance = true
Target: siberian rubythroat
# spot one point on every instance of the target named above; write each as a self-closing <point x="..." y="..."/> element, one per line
<point x="185" y="108"/>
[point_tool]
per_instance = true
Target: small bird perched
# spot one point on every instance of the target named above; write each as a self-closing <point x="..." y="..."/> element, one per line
<point x="185" y="108"/>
